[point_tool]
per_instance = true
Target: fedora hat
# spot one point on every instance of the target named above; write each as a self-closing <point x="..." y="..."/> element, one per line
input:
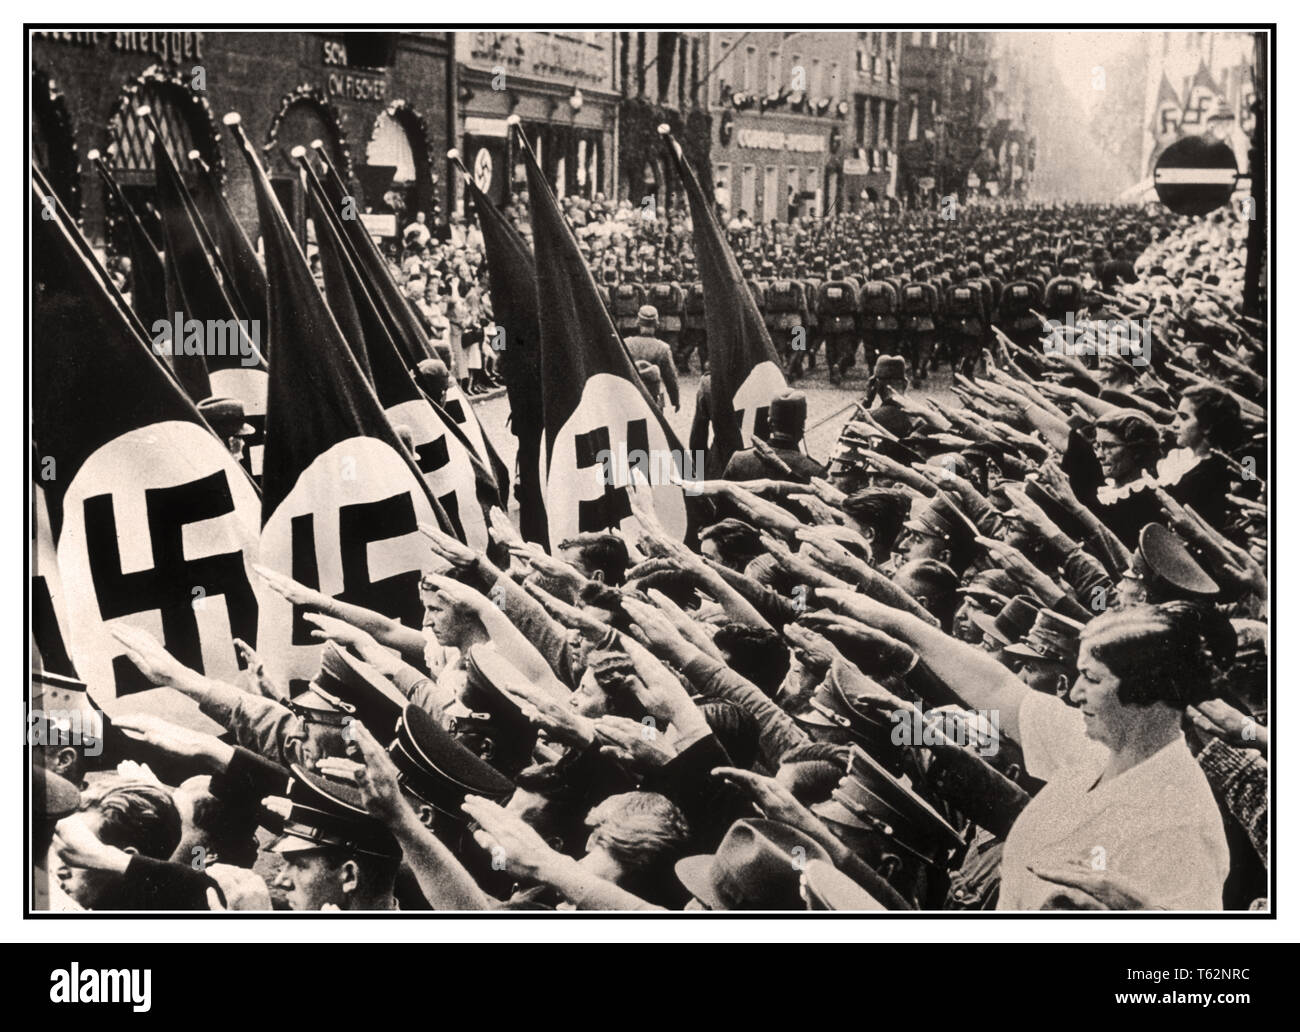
<point x="757" y="866"/>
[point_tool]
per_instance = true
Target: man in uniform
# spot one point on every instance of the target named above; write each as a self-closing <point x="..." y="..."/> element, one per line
<point x="336" y="856"/>
<point x="786" y="417"/>
<point x="1045" y="657"/>
<point x="918" y="307"/>
<point x="626" y="299"/>
<point x="647" y="347"/>
<point x="1014" y="316"/>
<point x="754" y="284"/>
<point x="964" y="316"/>
<point x="668" y="298"/>
<point x="837" y="317"/>
<point x="787" y="315"/>
<point x="878" y="303"/>
<point x="694" y="336"/>
<point x="811" y="285"/>
<point x="1064" y="293"/>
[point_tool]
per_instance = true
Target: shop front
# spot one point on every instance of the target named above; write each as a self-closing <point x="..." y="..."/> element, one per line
<point x="560" y="85"/>
<point x="379" y="102"/>
<point x="774" y="168"/>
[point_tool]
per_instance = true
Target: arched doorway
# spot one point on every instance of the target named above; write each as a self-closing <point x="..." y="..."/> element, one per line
<point x="185" y="123"/>
<point x="54" y="141"/>
<point x="304" y="116"/>
<point x="399" y="141"/>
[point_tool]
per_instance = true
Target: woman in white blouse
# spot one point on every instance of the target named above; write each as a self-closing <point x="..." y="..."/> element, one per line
<point x="1125" y="805"/>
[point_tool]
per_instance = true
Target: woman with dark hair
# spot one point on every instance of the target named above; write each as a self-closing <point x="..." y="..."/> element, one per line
<point x="1124" y="797"/>
<point x="1108" y="478"/>
<point x="1208" y="422"/>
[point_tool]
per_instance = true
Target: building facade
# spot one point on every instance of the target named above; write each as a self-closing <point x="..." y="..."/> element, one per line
<point x="381" y="102"/>
<point x="965" y="110"/>
<point x="561" y="86"/>
<point x="804" y="123"/>
<point x="659" y="77"/>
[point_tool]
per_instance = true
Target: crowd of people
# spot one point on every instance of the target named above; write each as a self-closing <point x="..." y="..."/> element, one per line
<point x="1005" y="648"/>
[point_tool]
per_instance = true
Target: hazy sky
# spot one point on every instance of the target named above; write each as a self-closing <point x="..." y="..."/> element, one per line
<point x="1076" y="54"/>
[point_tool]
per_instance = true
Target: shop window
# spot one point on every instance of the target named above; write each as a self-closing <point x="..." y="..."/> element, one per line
<point x="399" y="142"/>
<point x="184" y="124"/>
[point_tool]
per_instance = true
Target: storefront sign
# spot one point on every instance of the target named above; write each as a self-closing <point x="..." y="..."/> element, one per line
<point x="775" y="140"/>
<point x="170" y="46"/>
<point x="855" y="166"/>
<point x="350" y="86"/>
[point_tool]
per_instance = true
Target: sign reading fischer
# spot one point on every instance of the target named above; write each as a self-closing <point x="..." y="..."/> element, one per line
<point x="772" y="139"/>
<point x="349" y="86"/>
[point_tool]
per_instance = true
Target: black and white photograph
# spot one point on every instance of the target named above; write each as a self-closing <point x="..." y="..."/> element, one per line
<point x="699" y="472"/>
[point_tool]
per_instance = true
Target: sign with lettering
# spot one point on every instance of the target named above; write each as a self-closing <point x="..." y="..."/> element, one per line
<point x="574" y="58"/>
<point x="170" y="46"/>
<point x="774" y="139"/>
<point x="352" y="86"/>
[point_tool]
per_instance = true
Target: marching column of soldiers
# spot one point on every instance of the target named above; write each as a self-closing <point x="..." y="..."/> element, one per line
<point x="932" y="308"/>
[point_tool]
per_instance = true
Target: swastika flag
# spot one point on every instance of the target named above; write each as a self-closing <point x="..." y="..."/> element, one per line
<point x="599" y="418"/>
<point x="153" y="522"/>
<point x="445" y="458"/>
<point x="744" y="370"/>
<point x="342" y="498"/>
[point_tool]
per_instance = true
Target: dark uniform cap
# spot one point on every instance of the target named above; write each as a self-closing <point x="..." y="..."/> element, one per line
<point x="890" y="367"/>
<point x="941" y="519"/>
<point x="825" y="887"/>
<point x="990" y="584"/>
<point x="374" y="699"/>
<point x="1162" y="561"/>
<point x="438" y="769"/>
<point x="226" y="416"/>
<point x="1012" y="623"/>
<point x="787" y="413"/>
<point x="317" y="705"/>
<point x="1052" y="637"/>
<point x="754" y="868"/>
<point x="484" y="669"/>
<point x="497" y="731"/>
<point x="918" y="824"/>
<point x="328" y="813"/>
<point x="53" y="796"/>
<point x="829" y="709"/>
